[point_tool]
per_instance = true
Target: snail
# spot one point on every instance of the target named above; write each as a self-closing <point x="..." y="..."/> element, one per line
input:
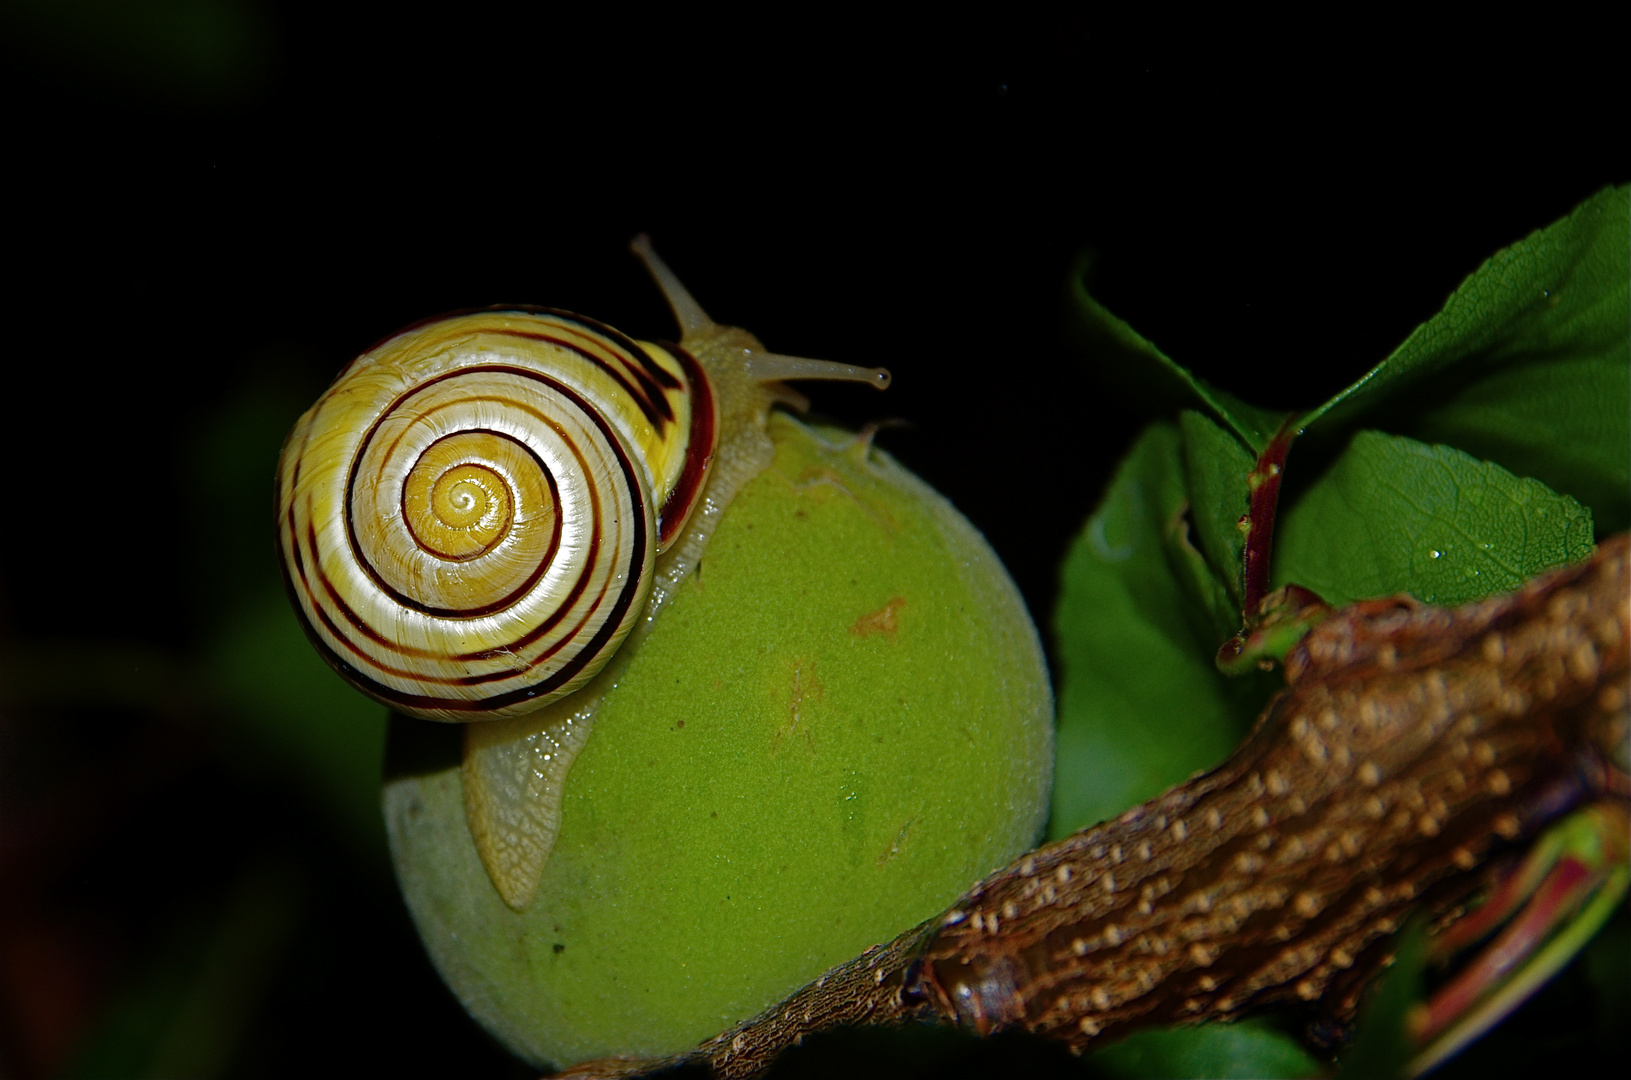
<point x="485" y="510"/>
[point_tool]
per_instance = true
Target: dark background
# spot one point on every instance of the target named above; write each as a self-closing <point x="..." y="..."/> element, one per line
<point x="216" y="203"/>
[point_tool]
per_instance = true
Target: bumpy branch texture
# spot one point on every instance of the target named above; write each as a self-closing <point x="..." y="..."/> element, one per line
<point x="1413" y="747"/>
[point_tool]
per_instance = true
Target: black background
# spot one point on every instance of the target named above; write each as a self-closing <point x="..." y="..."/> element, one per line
<point x="201" y="214"/>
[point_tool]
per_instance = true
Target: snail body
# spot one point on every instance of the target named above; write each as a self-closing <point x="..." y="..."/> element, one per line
<point x="479" y="512"/>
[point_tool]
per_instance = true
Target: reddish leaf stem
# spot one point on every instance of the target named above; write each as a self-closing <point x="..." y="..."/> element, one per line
<point x="1258" y="522"/>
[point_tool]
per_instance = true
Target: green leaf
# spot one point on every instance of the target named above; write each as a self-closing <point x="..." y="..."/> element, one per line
<point x="1250" y="1048"/>
<point x="1394" y="515"/>
<point x="1213" y="612"/>
<point x="1528" y="364"/>
<point x="1610" y="979"/>
<point x="186" y="1006"/>
<point x="292" y="714"/>
<point x="1566" y="423"/>
<point x="1121" y="350"/>
<point x="1381" y="1045"/>
<point x="1218" y="468"/>
<point x="1141" y="705"/>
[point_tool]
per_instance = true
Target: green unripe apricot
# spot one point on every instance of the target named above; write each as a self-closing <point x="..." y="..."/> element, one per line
<point x="839" y="723"/>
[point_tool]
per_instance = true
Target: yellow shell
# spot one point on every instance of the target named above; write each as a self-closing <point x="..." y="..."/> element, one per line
<point x="471" y="513"/>
<point x="480" y="511"/>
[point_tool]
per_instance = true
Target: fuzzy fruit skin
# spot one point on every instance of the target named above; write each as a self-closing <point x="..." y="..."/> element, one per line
<point x="837" y="725"/>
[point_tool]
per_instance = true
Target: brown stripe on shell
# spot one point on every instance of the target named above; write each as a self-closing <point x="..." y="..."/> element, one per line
<point x="577" y="401"/>
<point x="563" y="675"/>
<point x="650" y="376"/>
<point x="699" y="448"/>
<point x="656" y="371"/>
<point x="347" y="612"/>
<point x="662" y="377"/>
<point x="642" y="365"/>
<point x="642" y="390"/>
<point x="515" y="594"/>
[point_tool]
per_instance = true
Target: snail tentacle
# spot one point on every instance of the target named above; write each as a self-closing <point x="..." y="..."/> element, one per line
<point x="771" y="367"/>
<point x="687" y="312"/>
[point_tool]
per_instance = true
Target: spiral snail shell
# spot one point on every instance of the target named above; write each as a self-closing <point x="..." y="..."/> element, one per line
<point x="479" y="511"/>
